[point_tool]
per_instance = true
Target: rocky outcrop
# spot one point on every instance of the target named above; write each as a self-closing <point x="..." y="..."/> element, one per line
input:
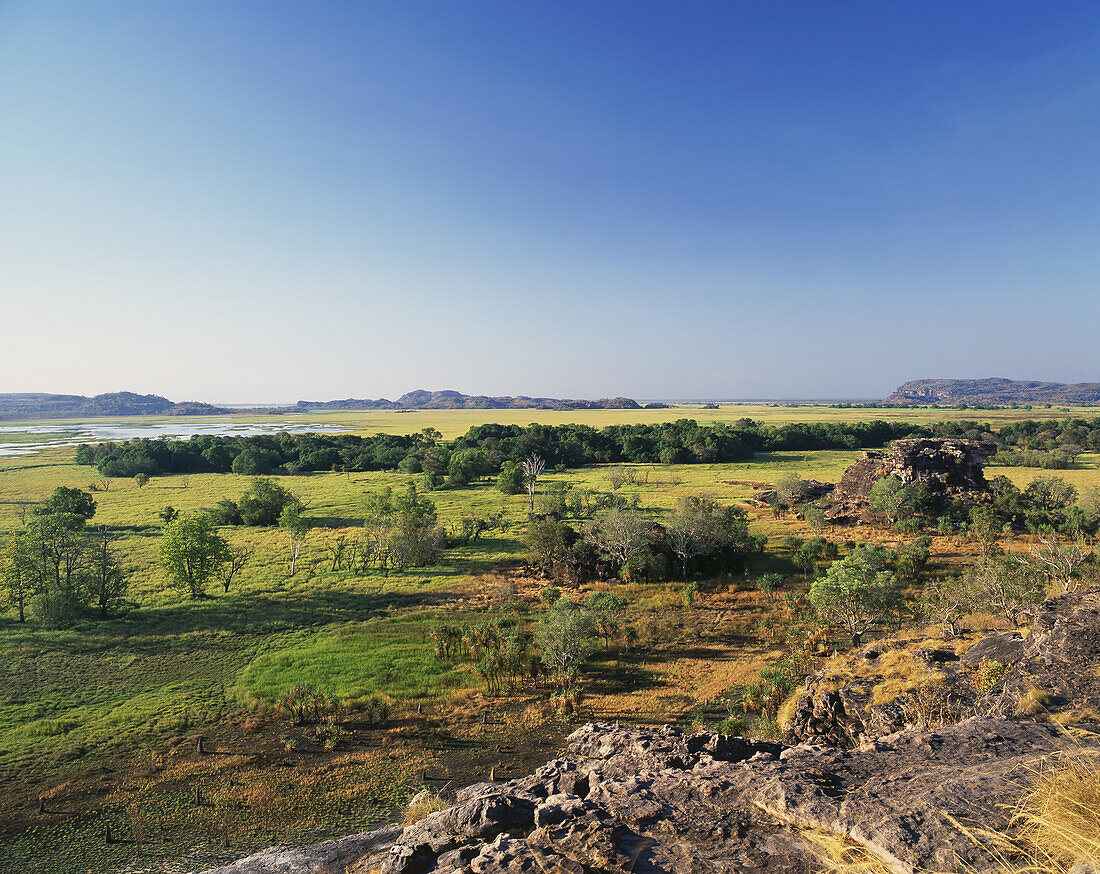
<point x="354" y="854"/>
<point x="945" y="467"/>
<point x="891" y="685"/>
<point x="662" y="800"/>
<point x="994" y="392"/>
<point x="1058" y="668"/>
<point x="1054" y="670"/>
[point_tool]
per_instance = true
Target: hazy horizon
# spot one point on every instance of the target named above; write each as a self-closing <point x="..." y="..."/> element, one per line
<point x="256" y="201"/>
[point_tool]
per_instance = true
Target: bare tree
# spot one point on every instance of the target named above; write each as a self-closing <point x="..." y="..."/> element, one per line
<point x="237" y="558"/>
<point x="533" y="466"/>
<point x="1055" y="561"/>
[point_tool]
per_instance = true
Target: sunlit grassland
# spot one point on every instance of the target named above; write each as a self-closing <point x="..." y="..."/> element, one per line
<point x="171" y="664"/>
<point x="1085" y="472"/>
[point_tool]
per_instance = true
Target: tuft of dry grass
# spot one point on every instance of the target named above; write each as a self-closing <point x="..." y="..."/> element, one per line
<point x="1060" y="814"/>
<point x="837" y="854"/>
<point x="1034" y="702"/>
<point x="423" y="804"/>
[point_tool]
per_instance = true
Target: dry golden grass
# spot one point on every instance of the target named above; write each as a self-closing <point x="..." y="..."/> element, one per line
<point x="1034" y="702"/>
<point x="838" y="855"/>
<point x="1060" y="815"/>
<point x="422" y="805"/>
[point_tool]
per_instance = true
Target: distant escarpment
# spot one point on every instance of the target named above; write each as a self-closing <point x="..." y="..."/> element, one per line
<point x="124" y="403"/>
<point x="453" y="400"/>
<point x="119" y="403"/>
<point x="994" y="392"/>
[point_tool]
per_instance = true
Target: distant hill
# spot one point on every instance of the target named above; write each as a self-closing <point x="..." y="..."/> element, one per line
<point x="995" y="392"/>
<point x="124" y="403"/>
<point x="453" y="400"/>
<point x="120" y="403"/>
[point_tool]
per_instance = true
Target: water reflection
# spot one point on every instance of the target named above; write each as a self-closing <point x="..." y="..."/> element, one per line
<point x="74" y="433"/>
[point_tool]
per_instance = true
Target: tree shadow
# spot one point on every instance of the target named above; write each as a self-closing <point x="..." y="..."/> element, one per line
<point x="623" y="674"/>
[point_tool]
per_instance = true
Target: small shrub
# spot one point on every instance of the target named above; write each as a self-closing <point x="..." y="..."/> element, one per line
<point x="932" y="704"/>
<point x="329" y="734"/>
<point x="988" y="675"/>
<point x="767" y="729"/>
<point x="251" y="725"/>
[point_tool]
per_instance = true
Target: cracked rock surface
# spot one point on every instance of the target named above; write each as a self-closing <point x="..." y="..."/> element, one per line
<point x="663" y="800"/>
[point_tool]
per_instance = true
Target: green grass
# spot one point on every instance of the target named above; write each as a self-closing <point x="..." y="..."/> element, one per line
<point x="391" y="658"/>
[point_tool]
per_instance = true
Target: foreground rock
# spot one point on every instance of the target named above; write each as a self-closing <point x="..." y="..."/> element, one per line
<point x="661" y="800"/>
<point x="355" y="854"/>
<point x="1058" y="669"/>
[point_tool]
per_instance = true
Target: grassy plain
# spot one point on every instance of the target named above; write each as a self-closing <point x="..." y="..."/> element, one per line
<point x="102" y="720"/>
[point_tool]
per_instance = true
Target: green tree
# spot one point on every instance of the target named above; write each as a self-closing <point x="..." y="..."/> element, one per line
<point x="104" y="578"/>
<point x="65" y="500"/>
<point x="401" y="529"/>
<point x="790" y="490"/>
<point x="815" y="518"/>
<point x="17" y="574"/>
<point x="264" y="502"/>
<point x="141" y="479"/>
<point x="986" y="524"/>
<point x="1089" y="501"/>
<point x="297" y="526"/>
<point x="606" y="609"/>
<point x="191" y="551"/>
<point x="913" y="560"/>
<point x="619" y="534"/>
<point x="567" y="636"/>
<point x="947" y="601"/>
<point x="1050" y="494"/>
<point x="1004" y="586"/>
<point x="890" y="497"/>
<point x="857" y="592"/>
<point x="510" y="481"/>
<point x="699" y="527"/>
<point x="547" y="542"/>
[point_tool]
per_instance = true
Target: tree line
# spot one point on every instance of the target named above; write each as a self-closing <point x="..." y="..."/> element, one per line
<point x="484" y="449"/>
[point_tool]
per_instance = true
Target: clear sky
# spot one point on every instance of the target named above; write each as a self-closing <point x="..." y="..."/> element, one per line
<point x="264" y="201"/>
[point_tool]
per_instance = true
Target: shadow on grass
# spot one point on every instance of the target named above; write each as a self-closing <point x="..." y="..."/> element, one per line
<point x="616" y="673"/>
<point x="254" y="613"/>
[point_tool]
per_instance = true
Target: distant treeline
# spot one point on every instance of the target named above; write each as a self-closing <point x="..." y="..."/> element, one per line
<point x="484" y="449"/>
<point x="1046" y="443"/>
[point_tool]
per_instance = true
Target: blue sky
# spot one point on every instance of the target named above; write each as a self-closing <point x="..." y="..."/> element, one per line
<point x="272" y="201"/>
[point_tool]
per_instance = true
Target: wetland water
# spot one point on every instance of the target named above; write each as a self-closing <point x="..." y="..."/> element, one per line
<point x="29" y="439"/>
